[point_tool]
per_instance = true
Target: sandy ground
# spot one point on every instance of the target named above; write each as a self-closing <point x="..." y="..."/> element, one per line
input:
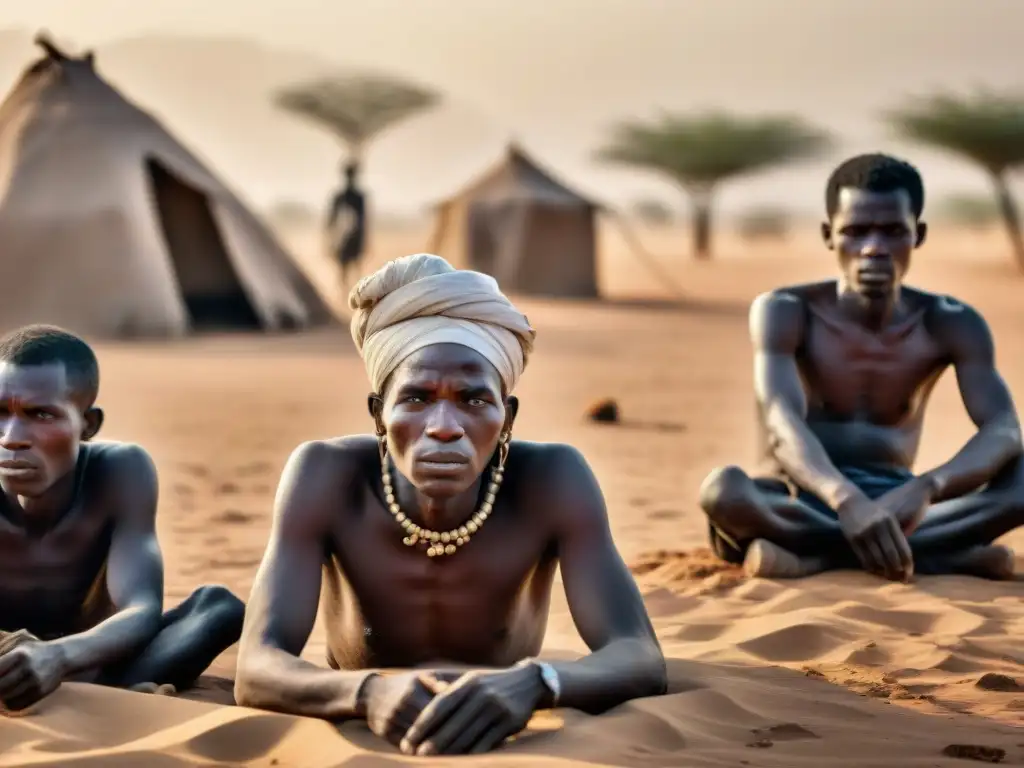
<point x="837" y="670"/>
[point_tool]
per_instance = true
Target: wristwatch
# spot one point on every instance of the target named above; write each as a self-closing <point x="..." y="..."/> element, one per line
<point x="548" y="676"/>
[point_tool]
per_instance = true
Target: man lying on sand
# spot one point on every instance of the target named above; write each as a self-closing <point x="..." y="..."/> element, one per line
<point x="81" y="577"/>
<point x="843" y="373"/>
<point x="439" y="538"/>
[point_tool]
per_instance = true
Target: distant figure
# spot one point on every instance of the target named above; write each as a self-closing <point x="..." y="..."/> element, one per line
<point x="844" y="369"/>
<point x="349" y="245"/>
<point x="81" y="576"/>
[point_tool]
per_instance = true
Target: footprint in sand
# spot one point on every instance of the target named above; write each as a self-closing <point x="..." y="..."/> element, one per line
<point x="233" y="517"/>
<point x="975" y="752"/>
<point x="784" y="732"/>
<point x="664" y="514"/>
<point x="766" y="737"/>
<point x="249" y="470"/>
<point x="239" y="561"/>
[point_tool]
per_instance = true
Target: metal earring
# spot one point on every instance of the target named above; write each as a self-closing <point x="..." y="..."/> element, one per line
<point x="503" y="448"/>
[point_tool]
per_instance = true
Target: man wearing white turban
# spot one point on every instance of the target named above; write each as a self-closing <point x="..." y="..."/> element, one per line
<point x="438" y="540"/>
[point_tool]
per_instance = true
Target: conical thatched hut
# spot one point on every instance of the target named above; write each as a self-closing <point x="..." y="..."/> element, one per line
<point x="519" y="224"/>
<point x="111" y="227"/>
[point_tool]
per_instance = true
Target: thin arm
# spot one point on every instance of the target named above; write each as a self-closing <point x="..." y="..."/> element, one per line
<point x="987" y="399"/>
<point x="776" y="328"/>
<point x="283" y="604"/>
<point x="626" y="661"/>
<point x="135" y="572"/>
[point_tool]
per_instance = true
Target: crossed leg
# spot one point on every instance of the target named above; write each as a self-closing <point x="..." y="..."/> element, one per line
<point x="191" y="637"/>
<point x="758" y="522"/>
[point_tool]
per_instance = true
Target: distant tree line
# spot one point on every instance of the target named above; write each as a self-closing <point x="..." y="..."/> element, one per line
<point x="698" y="153"/>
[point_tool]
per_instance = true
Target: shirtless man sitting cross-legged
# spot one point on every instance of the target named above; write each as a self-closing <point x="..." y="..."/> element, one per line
<point x="81" y="576"/>
<point x="438" y="540"/>
<point x="843" y="374"/>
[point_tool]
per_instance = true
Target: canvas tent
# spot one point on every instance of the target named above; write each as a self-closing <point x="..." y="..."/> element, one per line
<point x="520" y="225"/>
<point x="110" y="227"/>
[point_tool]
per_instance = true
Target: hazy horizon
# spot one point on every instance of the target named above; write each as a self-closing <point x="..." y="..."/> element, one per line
<point x="555" y="74"/>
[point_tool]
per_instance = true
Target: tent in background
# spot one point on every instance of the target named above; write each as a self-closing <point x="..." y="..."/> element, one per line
<point x="529" y="231"/>
<point x="110" y="227"/>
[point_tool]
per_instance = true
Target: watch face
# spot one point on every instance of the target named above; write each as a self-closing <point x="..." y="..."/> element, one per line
<point x="550" y="678"/>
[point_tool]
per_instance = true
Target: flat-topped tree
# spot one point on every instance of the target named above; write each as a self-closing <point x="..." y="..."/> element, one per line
<point x="356" y="108"/>
<point x="987" y="129"/>
<point x="699" y="153"/>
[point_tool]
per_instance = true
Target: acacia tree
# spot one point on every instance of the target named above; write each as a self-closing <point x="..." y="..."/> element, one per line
<point x="699" y="153"/>
<point x="987" y="129"/>
<point x="356" y="108"/>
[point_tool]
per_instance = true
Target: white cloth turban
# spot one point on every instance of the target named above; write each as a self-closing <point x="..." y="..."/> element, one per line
<point x="420" y="300"/>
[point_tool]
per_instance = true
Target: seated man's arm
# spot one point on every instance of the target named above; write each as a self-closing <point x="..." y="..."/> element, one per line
<point x="776" y="328"/>
<point x="626" y="661"/>
<point x="283" y="604"/>
<point x="986" y="398"/>
<point x="135" y="571"/>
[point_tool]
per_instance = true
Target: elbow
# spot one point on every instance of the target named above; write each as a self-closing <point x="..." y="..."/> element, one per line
<point x="245" y="694"/>
<point x="650" y="672"/>
<point x="250" y="680"/>
<point x="656" y="677"/>
<point x="247" y="688"/>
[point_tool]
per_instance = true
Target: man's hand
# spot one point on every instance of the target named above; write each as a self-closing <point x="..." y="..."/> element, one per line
<point x="30" y="671"/>
<point x="909" y="502"/>
<point x="393" y="702"/>
<point x="11" y="640"/>
<point x="476" y="713"/>
<point x="876" y="537"/>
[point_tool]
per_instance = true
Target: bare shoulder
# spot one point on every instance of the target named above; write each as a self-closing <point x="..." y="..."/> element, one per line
<point x="785" y="299"/>
<point x="341" y="456"/>
<point x="122" y="477"/>
<point x="778" y="317"/>
<point x="116" y="459"/>
<point x="319" y="474"/>
<point x="954" y="324"/>
<point x="557" y="479"/>
<point x="112" y="465"/>
<point x="553" y="458"/>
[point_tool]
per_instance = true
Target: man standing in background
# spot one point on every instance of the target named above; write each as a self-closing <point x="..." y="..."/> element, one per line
<point x="348" y="237"/>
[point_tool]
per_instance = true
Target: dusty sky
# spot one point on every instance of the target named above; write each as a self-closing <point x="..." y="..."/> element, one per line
<point x="556" y="73"/>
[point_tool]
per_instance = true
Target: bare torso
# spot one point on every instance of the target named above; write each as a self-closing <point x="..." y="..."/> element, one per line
<point x="53" y="583"/>
<point x="389" y="605"/>
<point x="866" y="392"/>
